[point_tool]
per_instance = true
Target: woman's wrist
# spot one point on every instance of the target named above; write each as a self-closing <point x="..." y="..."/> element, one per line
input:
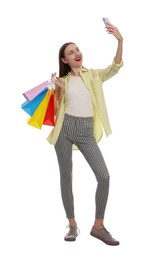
<point x="120" y="40"/>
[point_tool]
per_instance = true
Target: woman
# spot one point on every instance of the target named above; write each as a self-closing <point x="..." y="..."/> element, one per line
<point x="81" y="117"/>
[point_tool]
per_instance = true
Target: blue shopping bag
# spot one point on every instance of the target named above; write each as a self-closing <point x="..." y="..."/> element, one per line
<point x="30" y="106"/>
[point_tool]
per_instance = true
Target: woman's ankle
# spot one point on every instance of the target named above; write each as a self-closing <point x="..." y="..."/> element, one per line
<point x="72" y="222"/>
<point x="98" y="224"/>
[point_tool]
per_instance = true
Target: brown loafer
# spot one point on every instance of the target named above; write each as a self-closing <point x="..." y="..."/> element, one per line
<point x="104" y="236"/>
<point x="72" y="234"/>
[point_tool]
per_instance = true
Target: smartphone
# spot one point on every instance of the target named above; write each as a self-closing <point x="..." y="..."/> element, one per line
<point x="106" y="20"/>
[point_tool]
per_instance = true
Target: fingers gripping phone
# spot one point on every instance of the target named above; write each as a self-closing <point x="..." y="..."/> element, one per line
<point x="106" y="20"/>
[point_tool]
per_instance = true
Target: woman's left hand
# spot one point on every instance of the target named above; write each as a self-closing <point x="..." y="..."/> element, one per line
<point x="59" y="83"/>
<point x="111" y="29"/>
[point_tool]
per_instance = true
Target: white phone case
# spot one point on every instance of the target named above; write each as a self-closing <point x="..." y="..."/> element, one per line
<point x="106" y="20"/>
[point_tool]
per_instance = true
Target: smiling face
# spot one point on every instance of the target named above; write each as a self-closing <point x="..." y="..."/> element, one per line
<point x="72" y="56"/>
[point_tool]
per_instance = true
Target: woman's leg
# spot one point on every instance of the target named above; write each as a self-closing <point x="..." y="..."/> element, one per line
<point x="96" y="161"/>
<point x="63" y="149"/>
<point x="89" y="148"/>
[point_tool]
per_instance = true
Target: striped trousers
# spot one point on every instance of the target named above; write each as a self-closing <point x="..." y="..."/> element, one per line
<point x="79" y="131"/>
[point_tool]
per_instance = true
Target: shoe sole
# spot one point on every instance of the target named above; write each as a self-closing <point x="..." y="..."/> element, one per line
<point x="106" y="242"/>
<point x="70" y="239"/>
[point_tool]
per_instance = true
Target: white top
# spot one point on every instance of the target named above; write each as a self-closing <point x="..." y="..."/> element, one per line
<point x="78" y="102"/>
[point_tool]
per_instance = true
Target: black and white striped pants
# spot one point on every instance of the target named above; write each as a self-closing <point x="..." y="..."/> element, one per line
<point x="79" y="131"/>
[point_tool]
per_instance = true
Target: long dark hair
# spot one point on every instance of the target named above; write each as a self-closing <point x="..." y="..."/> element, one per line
<point x="64" y="68"/>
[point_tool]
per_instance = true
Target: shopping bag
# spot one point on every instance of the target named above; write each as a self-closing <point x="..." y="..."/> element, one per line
<point x="49" y="116"/>
<point x="33" y="92"/>
<point x="30" y="106"/>
<point x="38" y="117"/>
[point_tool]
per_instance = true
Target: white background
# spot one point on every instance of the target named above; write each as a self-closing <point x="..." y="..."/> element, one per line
<point x="32" y="219"/>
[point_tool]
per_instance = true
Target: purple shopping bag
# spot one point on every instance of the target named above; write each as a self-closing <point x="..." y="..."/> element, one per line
<point x="33" y="92"/>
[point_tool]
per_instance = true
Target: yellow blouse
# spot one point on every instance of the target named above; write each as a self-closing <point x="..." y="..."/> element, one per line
<point x="93" y="79"/>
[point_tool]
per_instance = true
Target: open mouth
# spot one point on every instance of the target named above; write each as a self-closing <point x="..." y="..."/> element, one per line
<point x="78" y="58"/>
